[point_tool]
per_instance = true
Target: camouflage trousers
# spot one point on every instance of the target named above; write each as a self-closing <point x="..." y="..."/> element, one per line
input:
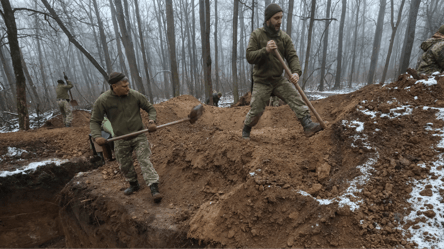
<point x="284" y="90"/>
<point x="66" y="110"/>
<point x="124" y="151"/>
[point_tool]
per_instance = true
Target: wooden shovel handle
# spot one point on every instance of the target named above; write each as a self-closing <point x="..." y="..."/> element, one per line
<point x="307" y="102"/>
<point x="146" y="130"/>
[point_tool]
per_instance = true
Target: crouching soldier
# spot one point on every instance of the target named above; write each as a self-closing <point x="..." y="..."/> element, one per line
<point x="432" y="60"/>
<point x="63" y="100"/>
<point x="122" y="106"/>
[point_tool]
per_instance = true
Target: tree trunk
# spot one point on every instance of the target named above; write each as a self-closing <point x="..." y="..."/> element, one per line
<point x="290" y="16"/>
<point x="190" y="53"/>
<point x="73" y="40"/>
<point x="103" y="39"/>
<point x="31" y="83"/>
<point x="234" y="51"/>
<point x="392" y="38"/>
<point x="341" y="37"/>
<point x="9" y="73"/>
<point x="142" y="44"/>
<point x="11" y="28"/>
<point x="204" y="15"/>
<point x="310" y="31"/>
<point x="195" y="64"/>
<point x="377" y="42"/>
<point x="350" y="80"/>
<point x="172" y="47"/>
<point x="216" y="67"/>
<point x="409" y="36"/>
<point x="324" y="49"/>
<point x="117" y="34"/>
<point x="129" y="48"/>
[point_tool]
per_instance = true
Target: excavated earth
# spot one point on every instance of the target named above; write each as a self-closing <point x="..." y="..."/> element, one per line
<point x="368" y="180"/>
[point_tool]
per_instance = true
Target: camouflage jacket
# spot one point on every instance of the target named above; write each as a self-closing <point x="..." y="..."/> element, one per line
<point x="62" y="90"/>
<point x="267" y="68"/>
<point x="123" y="112"/>
<point x="432" y="60"/>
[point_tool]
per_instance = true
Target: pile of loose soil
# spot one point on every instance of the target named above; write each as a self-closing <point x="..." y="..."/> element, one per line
<point x="348" y="186"/>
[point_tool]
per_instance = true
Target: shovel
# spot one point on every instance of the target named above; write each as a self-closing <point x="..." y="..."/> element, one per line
<point x="195" y="114"/>
<point x="307" y="102"/>
<point x="72" y="101"/>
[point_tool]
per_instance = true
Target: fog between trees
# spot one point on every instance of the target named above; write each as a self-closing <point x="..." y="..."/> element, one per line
<point x="174" y="47"/>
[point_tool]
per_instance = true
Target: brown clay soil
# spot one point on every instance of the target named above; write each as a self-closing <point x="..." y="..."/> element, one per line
<point x="343" y="187"/>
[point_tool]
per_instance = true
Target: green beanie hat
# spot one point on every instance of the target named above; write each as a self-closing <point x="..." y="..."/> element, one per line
<point x="441" y="29"/>
<point x="271" y="10"/>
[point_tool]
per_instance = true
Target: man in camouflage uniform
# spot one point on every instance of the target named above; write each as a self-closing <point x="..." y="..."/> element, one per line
<point x="122" y="107"/>
<point x="63" y="100"/>
<point x="216" y="98"/>
<point x="432" y="60"/>
<point x="267" y="72"/>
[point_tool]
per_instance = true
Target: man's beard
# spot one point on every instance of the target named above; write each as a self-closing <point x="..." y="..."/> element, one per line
<point x="274" y="27"/>
<point x="271" y="30"/>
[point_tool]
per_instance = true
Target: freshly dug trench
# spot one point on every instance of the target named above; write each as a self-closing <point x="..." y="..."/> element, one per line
<point x="97" y="214"/>
<point x="28" y="204"/>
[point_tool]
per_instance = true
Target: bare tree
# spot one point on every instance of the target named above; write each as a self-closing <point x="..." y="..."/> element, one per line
<point x="350" y="80"/>
<point x="172" y="47"/>
<point x="409" y="36"/>
<point x="289" y="16"/>
<point x="377" y="41"/>
<point x="340" y="37"/>
<point x="204" y="15"/>
<point x="216" y="66"/>
<point x="11" y="29"/>
<point x="234" y="52"/>
<point x="325" y="46"/>
<point x="310" y="31"/>
<point x="392" y="38"/>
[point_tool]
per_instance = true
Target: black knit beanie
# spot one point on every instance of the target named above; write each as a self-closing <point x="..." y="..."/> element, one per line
<point x="271" y="10"/>
<point x="115" y="77"/>
<point x="61" y="82"/>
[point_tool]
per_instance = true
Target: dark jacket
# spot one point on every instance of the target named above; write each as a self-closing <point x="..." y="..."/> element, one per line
<point x="215" y="100"/>
<point x="267" y="67"/>
<point x="62" y="90"/>
<point x="123" y="112"/>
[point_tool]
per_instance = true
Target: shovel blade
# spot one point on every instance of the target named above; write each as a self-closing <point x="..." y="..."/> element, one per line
<point x="74" y="102"/>
<point x="195" y="113"/>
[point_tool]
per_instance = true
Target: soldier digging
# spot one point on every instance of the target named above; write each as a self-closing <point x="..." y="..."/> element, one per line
<point x="122" y="106"/>
<point x="216" y="98"/>
<point x="63" y="100"/>
<point x="432" y="60"/>
<point x="267" y="72"/>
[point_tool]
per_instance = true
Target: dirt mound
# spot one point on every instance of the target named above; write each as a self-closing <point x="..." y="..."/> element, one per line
<point x="244" y="100"/>
<point x="350" y="185"/>
<point x="80" y="119"/>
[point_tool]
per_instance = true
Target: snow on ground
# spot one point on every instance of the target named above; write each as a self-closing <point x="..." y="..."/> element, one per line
<point x="429" y="234"/>
<point x="34" y="121"/>
<point x="31" y="167"/>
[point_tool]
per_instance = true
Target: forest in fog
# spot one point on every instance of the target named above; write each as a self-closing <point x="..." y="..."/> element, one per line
<point x="169" y="48"/>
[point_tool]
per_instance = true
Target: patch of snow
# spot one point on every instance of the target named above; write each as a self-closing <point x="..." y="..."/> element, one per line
<point x="15" y="152"/>
<point x="394" y="112"/>
<point x="31" y="167"/>
<point x="429" y="82"/>
<point x="433" y="227"/>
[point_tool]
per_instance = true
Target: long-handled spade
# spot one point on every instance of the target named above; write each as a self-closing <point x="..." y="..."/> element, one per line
<point x="307" y="102"/>
<point x="72" y="101"/>
<point x="195" y="113"/>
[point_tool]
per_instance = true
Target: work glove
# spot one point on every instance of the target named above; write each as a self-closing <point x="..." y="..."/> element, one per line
<point x="66" y="77"/>
<point x="152" y="127"/>
<point x="100" y="141"/>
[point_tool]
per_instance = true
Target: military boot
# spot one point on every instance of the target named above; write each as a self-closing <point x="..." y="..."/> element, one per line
<point x="310" y="128"/>
<point x="67" y="125"/>
<point x="155" y="192"/>
<point x="246" y="132"/>
<point x="134" y="186"/>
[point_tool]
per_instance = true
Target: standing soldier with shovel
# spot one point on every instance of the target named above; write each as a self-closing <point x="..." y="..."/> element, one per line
<point x="267" y="72"/>
<point x="63" y="100"/>
<point x="122" y="106"/>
